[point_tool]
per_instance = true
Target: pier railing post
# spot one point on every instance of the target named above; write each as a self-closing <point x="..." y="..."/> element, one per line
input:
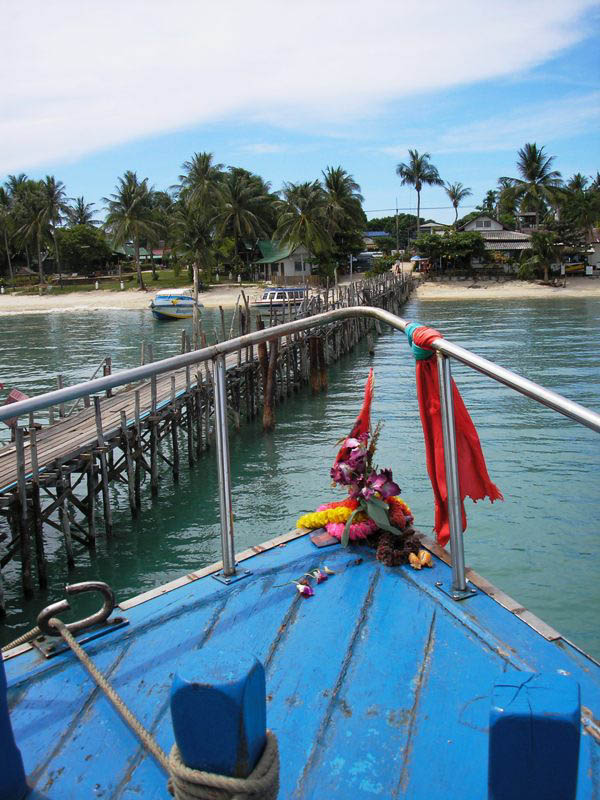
<point x="223" y="466"/>
<point x="459" y="584"/>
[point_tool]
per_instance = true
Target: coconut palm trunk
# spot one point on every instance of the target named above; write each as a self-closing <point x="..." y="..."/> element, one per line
<point x="8" y="258"/>
<point x="138" y="267"/>
<point x="39" y="254"/>
<point x="60" y="282"/>
<point x="418" y="171"/>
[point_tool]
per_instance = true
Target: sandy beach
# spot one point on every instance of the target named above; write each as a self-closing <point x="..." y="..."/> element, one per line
<point x="510" y="290"/>
<point x="227" y="296"/>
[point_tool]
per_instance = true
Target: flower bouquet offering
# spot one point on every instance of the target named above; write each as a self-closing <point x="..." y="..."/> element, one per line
<point x="372" y="512"/>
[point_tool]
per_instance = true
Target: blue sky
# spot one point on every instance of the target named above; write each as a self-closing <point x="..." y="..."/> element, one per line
<point x="286" y="90"/>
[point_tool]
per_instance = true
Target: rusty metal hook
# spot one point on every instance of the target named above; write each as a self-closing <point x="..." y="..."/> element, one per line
<point x="45" y="616"/>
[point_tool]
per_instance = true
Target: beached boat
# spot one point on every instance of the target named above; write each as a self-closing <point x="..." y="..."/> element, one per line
<point x="173" y="304"/>
<point x="380" y="681"/>
<point x="281" y="297"/>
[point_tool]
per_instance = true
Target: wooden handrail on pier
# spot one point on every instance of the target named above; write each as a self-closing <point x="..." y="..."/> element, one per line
<point x="49" y="474"/>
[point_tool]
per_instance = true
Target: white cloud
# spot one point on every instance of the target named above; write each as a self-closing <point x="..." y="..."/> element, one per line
<point x="541" y="122"/>
<point x="81" y="76"/>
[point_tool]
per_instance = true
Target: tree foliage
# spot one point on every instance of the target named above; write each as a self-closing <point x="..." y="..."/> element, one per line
<point x="83" y="248"/>
<point x="417" y="172"/>
<point x="457" y="193"/>
<point x="131" y="216"/>
<point x="453" y="249"/>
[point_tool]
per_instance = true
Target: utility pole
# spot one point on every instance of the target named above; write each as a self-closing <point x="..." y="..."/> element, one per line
<point x="350" y="267"/>
<point x="397" y="239"/>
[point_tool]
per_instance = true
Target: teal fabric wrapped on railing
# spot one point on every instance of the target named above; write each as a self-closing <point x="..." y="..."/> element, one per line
<point x="419" y="353"/>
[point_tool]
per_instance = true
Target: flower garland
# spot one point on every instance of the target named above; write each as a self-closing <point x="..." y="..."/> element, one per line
<point x="372" y="511"/>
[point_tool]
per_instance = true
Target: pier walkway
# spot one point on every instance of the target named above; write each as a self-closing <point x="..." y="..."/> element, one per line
<point x="52" y="476"/>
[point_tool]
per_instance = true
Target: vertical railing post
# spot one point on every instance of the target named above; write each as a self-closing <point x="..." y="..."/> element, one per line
<point x="459" y="583"/>
<point x="223" y="466"/>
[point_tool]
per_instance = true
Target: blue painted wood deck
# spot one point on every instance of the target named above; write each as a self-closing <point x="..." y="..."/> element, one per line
<point x="378" y="686"/>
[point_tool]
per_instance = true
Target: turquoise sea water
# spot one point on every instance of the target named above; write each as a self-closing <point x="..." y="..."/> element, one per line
<point x="540" y="545"/>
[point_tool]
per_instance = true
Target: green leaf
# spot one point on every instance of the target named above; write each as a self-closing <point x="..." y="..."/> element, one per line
<point x="377" y="502"/>
<point x="379" y="515"/>
<point x="346" y="534"/>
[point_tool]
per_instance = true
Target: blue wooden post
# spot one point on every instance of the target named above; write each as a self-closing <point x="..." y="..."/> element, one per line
<point x="534" y="737"/>
<point x="12" y="774"/>
<point x="220" y="721"/>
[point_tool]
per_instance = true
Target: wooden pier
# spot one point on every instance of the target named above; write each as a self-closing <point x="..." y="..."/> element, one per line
<point x="54" y="477"/>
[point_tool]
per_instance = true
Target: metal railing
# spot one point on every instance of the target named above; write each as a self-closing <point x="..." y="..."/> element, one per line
<point x="216" y="353"/>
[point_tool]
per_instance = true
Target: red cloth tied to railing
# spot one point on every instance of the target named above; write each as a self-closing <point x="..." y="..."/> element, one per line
<point x="472" y="472"/>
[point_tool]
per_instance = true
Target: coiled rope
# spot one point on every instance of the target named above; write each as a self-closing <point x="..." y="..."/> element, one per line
<point x="184" y="783"/>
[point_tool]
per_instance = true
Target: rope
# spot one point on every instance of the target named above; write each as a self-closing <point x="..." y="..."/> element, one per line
<point x="136" y="726"/>
<point x="22" y="639"/>
<point x="261" y="784"/>
<point x="186" y="783"/>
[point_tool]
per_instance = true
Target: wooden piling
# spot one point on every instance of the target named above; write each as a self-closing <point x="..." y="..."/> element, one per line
<point x="36" y="514"/>
<point x="91" y="499"/>
<point x="137" y="449"/>
<point x="174" y="423"/>
<point x="126" y="448"/>
<point x="63" y="487"/>
<point x="107" y="370"/>
<point x="101" y="454"/>
<point x="23" y="521"/>
<point x="59" y="385"/>
<point x="268" y="400"/>
<point x="315" y="380"/>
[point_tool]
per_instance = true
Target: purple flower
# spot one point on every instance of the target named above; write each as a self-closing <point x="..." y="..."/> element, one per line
<point x="367" y="492"/>
<point x="341" y="473"/>
<point x="305" y="591"/>
<point x="357" y="460"/>
<point x="383" y="483"/>
<point x="318" y="575"/>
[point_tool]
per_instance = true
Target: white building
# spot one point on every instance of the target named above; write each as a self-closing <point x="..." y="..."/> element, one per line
<point x="284" y="262"/>
<point x="433" y="227"/>
<point x="497" y="238"/>
<point x="593" y="250"/>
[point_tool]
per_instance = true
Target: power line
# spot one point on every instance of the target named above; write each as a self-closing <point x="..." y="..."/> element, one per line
<point x="413" y="208"/>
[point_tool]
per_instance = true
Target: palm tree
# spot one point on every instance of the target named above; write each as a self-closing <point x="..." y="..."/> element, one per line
<point x="34" y="218"/>
<point x="17" y="187"/>
<point x="538" y="186"/>
<point x="54" y="192"/>
<point x="130" y="215"/>
<point x="240" y="209"/>
<point x="577" y="183"/>
<point x="163" y="207"/>
<point x="200" y="179"/>
<point x="81" y="213"/>
<point x="301" y="219"/>
<point x="6" y="222"/>
<point x="343" y="206"/>
<point x="417" y="172"/>
<point x="488" y="206"/>
<point x="457" y="193"/>
<point x="544" y="249"/>
<point x="193" y="230"/>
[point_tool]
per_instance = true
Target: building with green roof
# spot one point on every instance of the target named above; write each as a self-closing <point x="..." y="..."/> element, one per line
<point x="283" y="261"/>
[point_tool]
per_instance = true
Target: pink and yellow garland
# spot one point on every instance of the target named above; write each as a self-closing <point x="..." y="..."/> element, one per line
<point x="333" y="517"/>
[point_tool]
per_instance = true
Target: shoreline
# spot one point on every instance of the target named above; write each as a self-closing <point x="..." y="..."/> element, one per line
<point x="107" y="300"/>
<point x="578" y="287"/>
<point x="226" y="296"/>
